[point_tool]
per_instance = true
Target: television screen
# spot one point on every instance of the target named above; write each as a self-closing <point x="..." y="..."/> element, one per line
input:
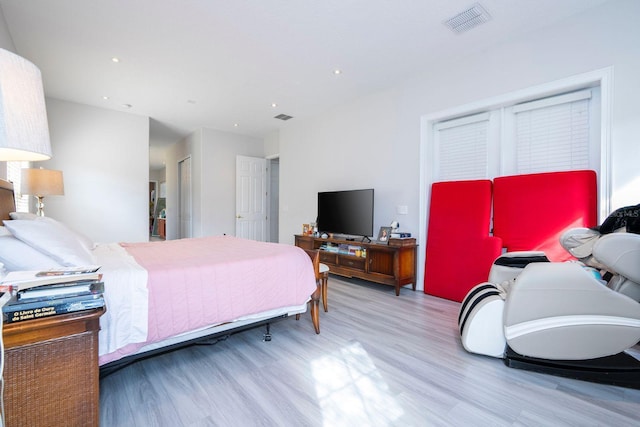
<point x="346" y="212"/>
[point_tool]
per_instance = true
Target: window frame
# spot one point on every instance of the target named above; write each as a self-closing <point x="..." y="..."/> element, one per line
<point x="602" y="77"/>
<point x="13" y="175"/>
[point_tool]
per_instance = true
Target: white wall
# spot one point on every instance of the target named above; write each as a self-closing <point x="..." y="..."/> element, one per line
<point x="6" y="42"/>
<point x="272" y="145"/>
<point x="219" y="151"/>
<point x="375" y="141"/>
<point x="353" y="147"/>
<point x="104" y="157"/>
<point x="213" y="155"/>
<point x="159" y="175"/>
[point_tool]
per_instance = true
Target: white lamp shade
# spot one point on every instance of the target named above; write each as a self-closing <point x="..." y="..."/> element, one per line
<point x="41" y="182"/>
<point x="24" y="131"/>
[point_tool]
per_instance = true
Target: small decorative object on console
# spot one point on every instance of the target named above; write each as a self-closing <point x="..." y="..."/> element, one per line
<point x="384" y="234"/>
<point x="400" y="235"/>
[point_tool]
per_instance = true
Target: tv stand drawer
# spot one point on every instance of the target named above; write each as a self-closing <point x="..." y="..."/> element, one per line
<point x="328" y="257"/>
<point x="357" y="263"/>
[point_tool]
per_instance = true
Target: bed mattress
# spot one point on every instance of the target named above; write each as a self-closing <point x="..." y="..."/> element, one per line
<point x="156" y="291"/>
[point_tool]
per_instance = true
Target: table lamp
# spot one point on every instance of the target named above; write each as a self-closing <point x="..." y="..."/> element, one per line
<point x="40" y="183"/>
<point x="24" y="131"/>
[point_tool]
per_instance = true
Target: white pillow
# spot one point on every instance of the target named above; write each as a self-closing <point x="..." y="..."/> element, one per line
<point x="86" y="242"/>
<point x="52" y="239"/>
<point x="4" y="231"/>
<point x="23" y="215"/>
<point x="17" y="255"/>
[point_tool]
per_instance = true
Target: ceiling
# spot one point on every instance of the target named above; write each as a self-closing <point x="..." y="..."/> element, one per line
<point x="224" y="64"/>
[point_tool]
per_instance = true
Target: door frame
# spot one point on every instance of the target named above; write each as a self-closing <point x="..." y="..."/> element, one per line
<point x="179" y="194"/>
<point x="270" y="192"/>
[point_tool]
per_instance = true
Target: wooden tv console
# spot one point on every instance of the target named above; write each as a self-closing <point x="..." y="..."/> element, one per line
<point x="390" y="264"/>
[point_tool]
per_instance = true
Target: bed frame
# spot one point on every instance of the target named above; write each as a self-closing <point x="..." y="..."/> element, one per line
<point x="206" y="336"/>
<point x="209" y="336"/>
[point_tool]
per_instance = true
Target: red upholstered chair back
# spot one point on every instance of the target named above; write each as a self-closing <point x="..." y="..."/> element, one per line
<point x="530" y="212"/>
<point x="459" y="250"/>
<point x="460" y="209"/>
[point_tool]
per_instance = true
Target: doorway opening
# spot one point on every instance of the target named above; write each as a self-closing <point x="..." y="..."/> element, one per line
<point x="153" y="194"/>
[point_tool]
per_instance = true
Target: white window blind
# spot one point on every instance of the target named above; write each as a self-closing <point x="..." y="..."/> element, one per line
<point x="462" y="148"/>
<point x="14" y="175"/>
<point x="553" y="134"/>
<point x="556" y="133"/>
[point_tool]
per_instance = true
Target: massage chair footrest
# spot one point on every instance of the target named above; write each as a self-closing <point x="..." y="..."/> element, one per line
<point x="621" y="369"/>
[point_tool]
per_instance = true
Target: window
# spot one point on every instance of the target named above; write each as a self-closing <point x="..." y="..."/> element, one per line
<point x="462" y="147"/>
<point x="14" y="174"/>
<point x="556" y="133"/>
<point x="549" y="134"/>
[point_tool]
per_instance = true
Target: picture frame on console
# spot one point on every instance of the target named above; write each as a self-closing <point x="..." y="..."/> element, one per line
<point x="384" y="234"/>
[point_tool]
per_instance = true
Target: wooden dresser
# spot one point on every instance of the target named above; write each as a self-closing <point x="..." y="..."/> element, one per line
<point x="51" y="375"/>
<point x="390" y="264"/>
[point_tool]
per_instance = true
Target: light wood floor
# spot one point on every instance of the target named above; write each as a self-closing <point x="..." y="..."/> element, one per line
<point x="380" y="360"/>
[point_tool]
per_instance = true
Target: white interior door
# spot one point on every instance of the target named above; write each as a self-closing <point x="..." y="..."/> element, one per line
<point x="251" y="198"/>
<point x="184" y="198"/>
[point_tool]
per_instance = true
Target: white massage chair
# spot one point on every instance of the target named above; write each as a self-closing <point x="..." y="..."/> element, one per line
<point x="562" y="318"/>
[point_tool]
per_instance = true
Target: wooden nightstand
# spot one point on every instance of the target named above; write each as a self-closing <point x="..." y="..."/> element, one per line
<point x="51" y="370"/>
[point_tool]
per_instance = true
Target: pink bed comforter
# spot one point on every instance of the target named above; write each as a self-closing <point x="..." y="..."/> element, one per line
<point x="206" y="281"/>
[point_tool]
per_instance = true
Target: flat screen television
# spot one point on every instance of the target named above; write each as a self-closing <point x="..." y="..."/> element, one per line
<point x="346" y="212"/>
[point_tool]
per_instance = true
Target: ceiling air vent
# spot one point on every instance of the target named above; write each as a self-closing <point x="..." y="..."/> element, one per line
<point x="283" y="117"/>
<point x="464" y="21"/>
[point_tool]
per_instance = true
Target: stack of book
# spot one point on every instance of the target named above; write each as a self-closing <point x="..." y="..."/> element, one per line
<point x="34" y="295"/>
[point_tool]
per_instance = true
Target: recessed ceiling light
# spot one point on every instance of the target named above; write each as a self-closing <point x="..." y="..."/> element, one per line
<point x="337" y="71"/>
<point x="235" y="125"/>
<point x="115" y="59"/>
<point x="105" y="97"/>
<point x="274" y="105"/>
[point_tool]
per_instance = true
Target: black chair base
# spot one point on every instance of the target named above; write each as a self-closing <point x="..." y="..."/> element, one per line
<point x="621" y="369"/>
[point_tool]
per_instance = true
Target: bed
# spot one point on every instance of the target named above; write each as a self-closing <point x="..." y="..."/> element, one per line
<point x="160" y="295"/>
